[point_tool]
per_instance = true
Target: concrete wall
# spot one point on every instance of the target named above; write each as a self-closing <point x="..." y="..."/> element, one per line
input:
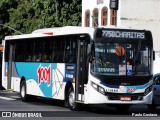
<point x="144" y="14"/>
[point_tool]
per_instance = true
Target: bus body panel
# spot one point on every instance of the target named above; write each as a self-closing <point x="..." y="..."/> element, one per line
<point x="49" y="79"/>
<point x="92" y="96"/>
<point x="16" y="83"/>
<point x="42" y="79"/>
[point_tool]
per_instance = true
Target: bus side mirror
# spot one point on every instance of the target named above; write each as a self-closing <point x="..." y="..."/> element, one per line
<point x="153" y="55"/>
<point x="157" y="80"/>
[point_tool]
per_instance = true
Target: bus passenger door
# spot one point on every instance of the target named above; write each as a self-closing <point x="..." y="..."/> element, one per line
<point x="81" y="69"/>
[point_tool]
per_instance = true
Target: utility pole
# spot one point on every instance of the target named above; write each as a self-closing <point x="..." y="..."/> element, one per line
<point x="11" y="28"/>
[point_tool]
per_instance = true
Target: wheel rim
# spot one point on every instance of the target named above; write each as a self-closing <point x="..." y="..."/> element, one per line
<point x="71" y="99"/>
<point x="23" y="91"/>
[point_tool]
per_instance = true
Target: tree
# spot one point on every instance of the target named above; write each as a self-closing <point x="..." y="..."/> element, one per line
<point x="29" y="15"/>
<point x="5" y="5"/>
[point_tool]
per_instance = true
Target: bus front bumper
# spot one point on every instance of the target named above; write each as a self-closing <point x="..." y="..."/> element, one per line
<point x="95" y="97"/>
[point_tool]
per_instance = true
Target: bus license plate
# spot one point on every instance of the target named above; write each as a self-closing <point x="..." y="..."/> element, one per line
<point x="125" y="98"/>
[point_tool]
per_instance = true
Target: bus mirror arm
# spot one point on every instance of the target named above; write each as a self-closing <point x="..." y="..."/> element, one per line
<point x="91" y="58"/>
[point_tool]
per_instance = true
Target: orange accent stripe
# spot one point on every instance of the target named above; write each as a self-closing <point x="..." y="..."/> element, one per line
<point x="48" y="33"/>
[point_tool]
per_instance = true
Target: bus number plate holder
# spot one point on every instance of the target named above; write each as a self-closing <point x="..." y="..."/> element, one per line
<point x="125" y="98"/>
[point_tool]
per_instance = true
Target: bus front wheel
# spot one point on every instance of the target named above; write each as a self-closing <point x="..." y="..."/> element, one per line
<point x="23" y="93"/>
<point x="71" y="100"/>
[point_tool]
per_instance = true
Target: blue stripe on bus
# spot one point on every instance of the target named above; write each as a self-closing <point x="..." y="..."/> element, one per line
<point x="138" y="86"/>
<point x="117" y="86"/>
<point x="29" y="70"/>
<point x="32" y="70"/>
<point x="126" y="87"/>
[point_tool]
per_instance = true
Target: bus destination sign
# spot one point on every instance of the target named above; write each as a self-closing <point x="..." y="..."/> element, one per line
<point x="121" y="34"/>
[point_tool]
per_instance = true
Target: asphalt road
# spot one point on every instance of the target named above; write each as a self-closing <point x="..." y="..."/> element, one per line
<point x="11" y="105"/>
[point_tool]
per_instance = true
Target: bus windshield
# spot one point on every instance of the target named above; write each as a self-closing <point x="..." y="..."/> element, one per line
<point x="120" y="58"/>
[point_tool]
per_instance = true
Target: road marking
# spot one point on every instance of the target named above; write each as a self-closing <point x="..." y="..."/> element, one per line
<point x="6" y="98"/>
<point x="16" y="97"/>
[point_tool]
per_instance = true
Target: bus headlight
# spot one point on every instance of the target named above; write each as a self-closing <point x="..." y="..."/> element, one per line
<point x="148" y="90"/>
<point x="98" y="88"/>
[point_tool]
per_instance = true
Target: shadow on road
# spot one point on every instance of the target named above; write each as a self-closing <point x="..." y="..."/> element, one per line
<point x="112" y="111"/>
<point x="88" y="110"/>
<point x="101" y="110"/>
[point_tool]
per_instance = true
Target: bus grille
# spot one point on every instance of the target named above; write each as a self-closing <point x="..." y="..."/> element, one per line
<point x="113" y="96"/>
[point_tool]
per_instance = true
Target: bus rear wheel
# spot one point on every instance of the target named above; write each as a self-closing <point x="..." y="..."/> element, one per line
<point x="23" y="93"/>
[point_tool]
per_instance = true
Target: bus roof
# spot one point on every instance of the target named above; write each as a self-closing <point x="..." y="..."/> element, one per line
<point x="53" y="32"/>
<point x="61" y="31"/>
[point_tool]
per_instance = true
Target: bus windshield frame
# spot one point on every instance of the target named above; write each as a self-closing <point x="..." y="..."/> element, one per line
<point x="120" y="58"/>
<point x="121" y="53"/>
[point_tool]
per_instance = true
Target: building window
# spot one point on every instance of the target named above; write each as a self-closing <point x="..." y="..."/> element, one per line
<point x="87" y="18"/>
<point x="113" y="17"/>
<point x="95" y="17"/>
<point x="104" y="16"/>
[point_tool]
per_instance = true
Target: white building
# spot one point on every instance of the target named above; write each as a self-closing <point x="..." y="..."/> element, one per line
<point x="143" y="14"/>
<point x="101" y="10"/>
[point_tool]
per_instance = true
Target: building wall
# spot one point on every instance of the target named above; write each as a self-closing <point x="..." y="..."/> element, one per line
<point x="91" y="4"/>
<point x="143" y="14"/>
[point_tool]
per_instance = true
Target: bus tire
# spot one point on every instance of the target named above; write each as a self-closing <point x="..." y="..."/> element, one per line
<point x="23" y="93"/>
<point x="71" y="100"/>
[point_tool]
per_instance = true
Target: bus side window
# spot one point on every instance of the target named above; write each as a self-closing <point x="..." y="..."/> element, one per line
<point x="29" y="58"/>
<point x="59" y="50"/>
<point x="46" y="50"/>
<point x="38" y="58"/>
<point x="56" y="58"/>
<point x="73" y="55"/>
<point x="20" y="52"/>
<point x="70" y="50"/>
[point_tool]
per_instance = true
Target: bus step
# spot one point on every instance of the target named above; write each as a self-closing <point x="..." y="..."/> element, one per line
<point x="79" y="101"/>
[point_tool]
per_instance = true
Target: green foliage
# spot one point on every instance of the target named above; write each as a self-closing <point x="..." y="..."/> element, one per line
<point x="5" y="5"/>
<point x="28" y="15"/>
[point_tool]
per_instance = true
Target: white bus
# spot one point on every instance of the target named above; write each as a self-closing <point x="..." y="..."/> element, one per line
<point x="81" y="65"/>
